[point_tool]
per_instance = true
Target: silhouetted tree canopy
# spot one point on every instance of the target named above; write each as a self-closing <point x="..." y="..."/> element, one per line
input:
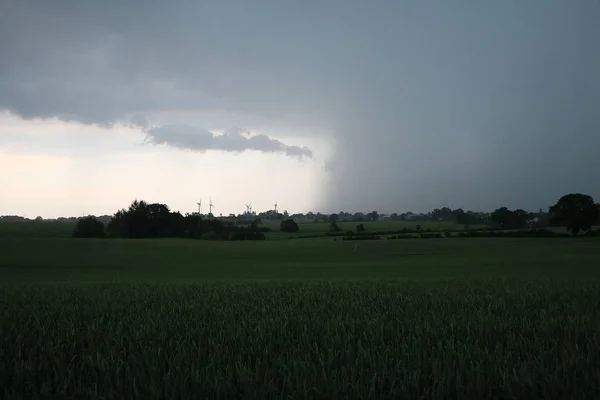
<point x="509" y="219"/>
<point x="467" y="218"/>
<point x="89" y="227"/>
<point x="373" y="216"/>
<point x="144" y="220"/>
<point x="289" y="225"/>
<point x="443" y="214"/>
<point x="358" y="217"/>
<point x="333" y="226"/>
<point x="575" y="211"/>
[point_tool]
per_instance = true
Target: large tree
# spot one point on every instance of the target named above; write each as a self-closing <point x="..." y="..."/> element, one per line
<point x="509" y="219"/>
<point x="373" y="216"/>
<point x="576" y="211"/>
<point x="154" y="220"/>
<point x="289" y="225"/>
<point x="464" y="218"/>
<point x="89" y="227"/>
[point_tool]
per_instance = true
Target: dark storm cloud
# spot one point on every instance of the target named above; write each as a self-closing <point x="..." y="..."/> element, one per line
<point x="428" y="103"/>
<point x="233" y="140"/>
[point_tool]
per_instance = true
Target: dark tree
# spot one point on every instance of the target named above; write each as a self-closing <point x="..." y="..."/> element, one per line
<point x="462" y="218"/>
<point x="144" y="220"/>
<point x="575" y="211"/>
<point x="360" y="228"/>
<point x="501" y="216"/>
<point x="334" y="227"/>
<point x="289" y="225"/>
<point x="89" y="227"/>
<point x="254" y="226"/>
<point x="443" y="214"/>
<point x="373" y="216"/>
<point x="192" y="226"/>
<point x="358" y="217"/>
<point x="509" y="219"/>
<point x="405" y="216"/>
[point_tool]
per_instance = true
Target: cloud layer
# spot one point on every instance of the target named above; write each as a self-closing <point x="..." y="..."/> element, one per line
<point x="234" y="140"/>
<point x="463" y="103"/>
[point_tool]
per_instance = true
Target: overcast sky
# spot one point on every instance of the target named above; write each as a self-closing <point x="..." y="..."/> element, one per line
<point x="318" y="105"/>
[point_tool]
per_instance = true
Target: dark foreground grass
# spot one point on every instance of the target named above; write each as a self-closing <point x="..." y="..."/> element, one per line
<point x="419" y="319"/>
<point x="161" y="261"/>
<point x="449" y="339"/>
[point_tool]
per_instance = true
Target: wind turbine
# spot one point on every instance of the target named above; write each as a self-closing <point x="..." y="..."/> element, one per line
<point x="200" y="206"/>
<point x="248" y="208"/>
<point x="210" y="206"/>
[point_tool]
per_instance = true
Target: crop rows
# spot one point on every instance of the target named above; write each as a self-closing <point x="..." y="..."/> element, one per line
<point x="446" y="339"/>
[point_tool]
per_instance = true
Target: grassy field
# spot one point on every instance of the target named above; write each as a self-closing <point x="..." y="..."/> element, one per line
<point x="36" y="229"/>
<point x="430" y="319"/>
<point x="164" y="260"/>
<point x="322" y="227"/>
<point x="53" y="229"/>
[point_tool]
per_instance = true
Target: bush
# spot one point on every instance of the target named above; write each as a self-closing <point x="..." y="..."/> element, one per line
<point x="593" y="233"/>
<point x="89" y="227"/>
<point x="427" y="235"/>
<point x="314" y="235"/>
<point x="523" y="233"/>
<point x="369" y="237"/>
<point x="334" y="227"/>
<point x="247" y="236"/>
<point x="402" y="236"/>
<point x="289" y="225"/>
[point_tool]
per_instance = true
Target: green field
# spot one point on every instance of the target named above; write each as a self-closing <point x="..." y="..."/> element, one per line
<point x="309" y="228"/>
<point x="53" y="229"/>
<point x="36" y="229"/>
<point x="314" y="318"/>
<point x="162" y="260"/>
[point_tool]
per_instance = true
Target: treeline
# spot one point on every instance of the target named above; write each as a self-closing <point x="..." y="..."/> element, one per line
<point x="502" y="217"/>
<point x="153" y="220"/>
<point x="499" y="218"/>
<point x="69" y="220"/>
<point x="479" y="233"/>
<point x="576" y="212"/>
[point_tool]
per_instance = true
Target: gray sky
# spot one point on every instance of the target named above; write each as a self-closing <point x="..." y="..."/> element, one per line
<point x="473" y="104"/>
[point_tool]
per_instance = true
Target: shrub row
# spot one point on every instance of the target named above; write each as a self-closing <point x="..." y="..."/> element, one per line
<point x="358" y="237"/>
<point x="405" y="231"/>
<point x="524" y="233"/>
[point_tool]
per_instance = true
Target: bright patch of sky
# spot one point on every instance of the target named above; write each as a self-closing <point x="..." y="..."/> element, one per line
<point x="54" y="168"/>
